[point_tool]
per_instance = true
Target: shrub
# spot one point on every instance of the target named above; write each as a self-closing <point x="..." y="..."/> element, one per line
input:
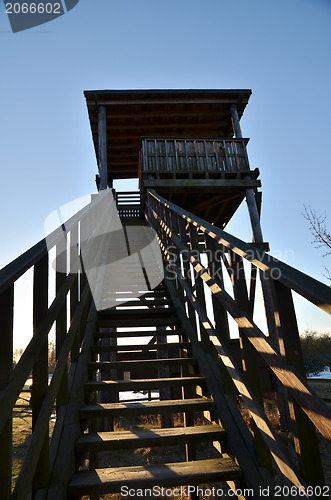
<point x="316" y="348"/>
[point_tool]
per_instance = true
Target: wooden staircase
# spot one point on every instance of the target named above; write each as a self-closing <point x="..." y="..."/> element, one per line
<point x="128" y="356"/>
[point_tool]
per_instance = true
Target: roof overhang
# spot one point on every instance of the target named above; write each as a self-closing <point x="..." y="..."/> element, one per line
<point x="133" y="114"/>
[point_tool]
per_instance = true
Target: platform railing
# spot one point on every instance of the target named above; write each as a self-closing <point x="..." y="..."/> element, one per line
<point x="169" y="155"/>
<point x="183" y="238"/>
<point x="69" y="312"/>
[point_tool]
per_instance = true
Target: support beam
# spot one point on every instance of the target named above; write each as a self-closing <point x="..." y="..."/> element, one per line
<point x="235" y="121"/>
<point x="102" y="160"/>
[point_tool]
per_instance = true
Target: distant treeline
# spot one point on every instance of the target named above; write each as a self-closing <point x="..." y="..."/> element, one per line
<point x="51" y="356"/>
<point x="316" y="348"/>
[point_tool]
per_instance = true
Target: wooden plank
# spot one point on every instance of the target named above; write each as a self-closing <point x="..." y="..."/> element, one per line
<point x="61" y="320"/>
<point x="142" y="347"/>
<point x="147" y="408"/>
<point x="102" y="137"/>
<point x="235" y="121"/>
<point x="169" y="474"/>
<point x="135" y="313"/>
<point x="141" y="362"/>
<point x="104" y="441"/>
<point x="139" y="333"/>
<point x="203" y="184"/>
<point x="305" y="437"/>
<point x="314" y="291"/>
<point x="143" y="384"/>
<point x="6" y="370"/>
<point x="140" y="302"/>
<point x="74" y="289"/>
<point x="141" y="322"/>
<point x="40" y="369"/>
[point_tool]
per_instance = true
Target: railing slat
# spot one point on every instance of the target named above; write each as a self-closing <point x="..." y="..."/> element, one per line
<point x="198" y="153"/>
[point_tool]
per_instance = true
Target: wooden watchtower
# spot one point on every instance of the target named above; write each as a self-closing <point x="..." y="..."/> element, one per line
<point x="141" y="310"/>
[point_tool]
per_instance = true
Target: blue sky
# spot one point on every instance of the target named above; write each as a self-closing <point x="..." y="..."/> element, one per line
<point x="281" y="50"/>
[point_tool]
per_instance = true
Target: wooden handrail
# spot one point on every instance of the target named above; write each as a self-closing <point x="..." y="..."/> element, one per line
<point x="306" y="286"/>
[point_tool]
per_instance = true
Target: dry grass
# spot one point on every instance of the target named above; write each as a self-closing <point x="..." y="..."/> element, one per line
<point x="22" y="432"/>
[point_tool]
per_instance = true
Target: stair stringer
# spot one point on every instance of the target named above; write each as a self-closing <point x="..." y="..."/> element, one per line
<point x="240" y="442"/>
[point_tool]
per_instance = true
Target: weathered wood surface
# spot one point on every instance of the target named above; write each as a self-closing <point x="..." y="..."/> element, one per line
<point x="143" y="384"/>
<point x="146" y="408"/>
<point x="141" y="362"/>
<point x="204" y="155"/>
<point x="316" y="410"/>
<point x="314" y="291"/>
<point x="111" y="480"/>
<point x="131" y="322"/>
<point x="142" y="347"/>
<point x="151" y="437"/>
<point x="140" y="333"/>
<point x="102" y="156"/>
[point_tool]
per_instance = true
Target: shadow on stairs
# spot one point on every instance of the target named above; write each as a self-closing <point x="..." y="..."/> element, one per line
<point x="146" y="403"/>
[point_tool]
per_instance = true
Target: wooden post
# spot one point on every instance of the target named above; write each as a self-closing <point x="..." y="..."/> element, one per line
<point x="61" y="320"/>
<point x="102" y="160"/>
<point x="235" y="121"/>
<point x="6" y="370"/>
<point x="74" y="289"/>
<point x="269" y="306"/>
<point x="250" y="360"/>
<point x="305" y="438"/>
<point x="40" y="369"/>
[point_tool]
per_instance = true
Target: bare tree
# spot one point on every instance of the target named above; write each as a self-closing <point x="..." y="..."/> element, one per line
<point x="319" y="231"/>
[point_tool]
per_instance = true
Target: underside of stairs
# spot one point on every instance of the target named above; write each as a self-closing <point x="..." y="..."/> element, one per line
<point x="146" y="400"/>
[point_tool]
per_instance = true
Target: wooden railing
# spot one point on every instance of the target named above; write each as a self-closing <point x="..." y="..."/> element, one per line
<point x="194" y="155"/>
<point x="70" y="327"/>
<point x="183" y="237"/>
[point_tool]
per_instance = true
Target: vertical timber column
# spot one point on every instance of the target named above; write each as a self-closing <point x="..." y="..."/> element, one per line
<point x="268" y="295"/>
<point x="40" y="369"/>
<point x="258" y="237"/>
<point x="61" y="320"/>
<point x="102" y="132"/>
<point x="6" y="370"/>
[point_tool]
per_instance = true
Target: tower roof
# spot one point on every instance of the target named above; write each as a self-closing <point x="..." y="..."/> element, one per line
<point x="133" y="114"/>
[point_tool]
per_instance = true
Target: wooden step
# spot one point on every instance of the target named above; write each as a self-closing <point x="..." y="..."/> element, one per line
<point x="139" y="347"/>
<point x="134" y="363"/>
<point x="126" y="295"/>
<point x="136" y="314"/>
<point x="139" y="333"/>
<point x="111" y="480"/>
<point x="143" y="384"/>
<point x="146" y="408"/>
<point x="144" y="302"/>
<point x="137" y="322"/>
<point x="104" y="441"/>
